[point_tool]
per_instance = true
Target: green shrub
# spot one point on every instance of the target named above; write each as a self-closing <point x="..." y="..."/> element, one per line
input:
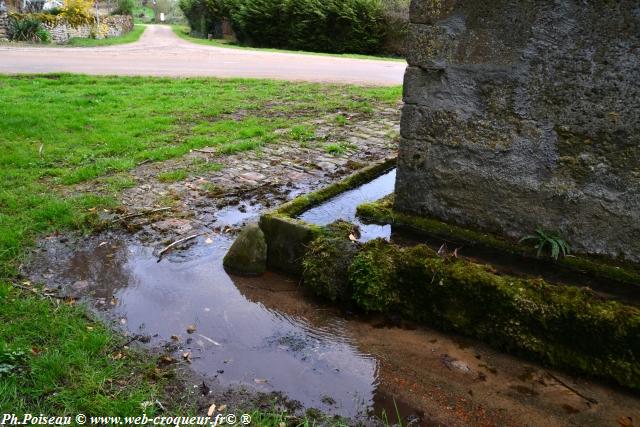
<point x="125" y="7"/>
<point x="28" y="29"/>
<point x="316" y="25"/>
<point x="396" y="18"/>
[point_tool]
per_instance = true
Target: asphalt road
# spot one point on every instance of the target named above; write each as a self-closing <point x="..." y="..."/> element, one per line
<point x="159" y="52"/>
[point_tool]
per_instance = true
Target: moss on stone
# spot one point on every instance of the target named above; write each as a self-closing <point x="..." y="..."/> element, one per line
<point x="382" y="212"/>
<point x="300" y="204"/>
<point x="248" y="253"/>
<point x="326" y="263"/>
<point x="371" y="278"/>
<point x="565" y="327"/>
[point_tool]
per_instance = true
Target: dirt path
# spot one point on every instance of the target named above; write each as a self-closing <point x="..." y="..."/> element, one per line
<point x="159" y="52"/>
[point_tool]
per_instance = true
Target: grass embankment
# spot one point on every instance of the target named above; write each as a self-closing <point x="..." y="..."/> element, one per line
<point x="61" y="130"/>
<point x="130" y="37"/>
<point x="184" y="32"/>
<point x="143" y="15"/>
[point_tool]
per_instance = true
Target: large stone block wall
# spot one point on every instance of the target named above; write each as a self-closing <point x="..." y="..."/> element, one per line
<point x="521" y="114"/>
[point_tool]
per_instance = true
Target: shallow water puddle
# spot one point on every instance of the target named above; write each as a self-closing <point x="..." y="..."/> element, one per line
<point x="343" y="206"/>
<point x="236" y="340"/>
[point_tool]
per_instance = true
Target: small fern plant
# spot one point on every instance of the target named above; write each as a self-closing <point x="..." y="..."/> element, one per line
<point x="542" y="240"/>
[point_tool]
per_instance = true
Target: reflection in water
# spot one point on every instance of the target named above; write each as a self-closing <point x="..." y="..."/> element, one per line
<point x="240" y="341"/>
<point x="344" y="206"/>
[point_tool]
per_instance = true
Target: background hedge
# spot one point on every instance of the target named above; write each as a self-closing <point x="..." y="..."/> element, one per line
<point x="337" y="26"/>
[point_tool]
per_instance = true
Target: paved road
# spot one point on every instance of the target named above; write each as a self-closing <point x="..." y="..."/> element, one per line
<point x="159" y="52"/>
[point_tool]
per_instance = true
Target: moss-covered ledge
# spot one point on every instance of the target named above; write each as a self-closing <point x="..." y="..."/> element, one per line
<point x="303" y="203"/>
<point x="287" y="237"/>
<point x="382" y="212"/>
<point x="562" y="326"/>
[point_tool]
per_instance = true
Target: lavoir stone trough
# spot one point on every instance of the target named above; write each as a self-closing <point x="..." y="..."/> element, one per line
<point x="518" y="117"/>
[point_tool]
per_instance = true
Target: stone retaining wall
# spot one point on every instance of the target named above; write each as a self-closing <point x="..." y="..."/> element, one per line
<point x="525" y="114"/>
<point x="4" y="24"/>
<point x="61" y="31"/>
<point x="110" y="26"/>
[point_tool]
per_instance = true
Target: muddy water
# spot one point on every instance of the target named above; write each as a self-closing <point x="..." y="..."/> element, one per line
<point x="237" y="341"/>
<point x="344" y="207"/>
<point x="265" y="334"/>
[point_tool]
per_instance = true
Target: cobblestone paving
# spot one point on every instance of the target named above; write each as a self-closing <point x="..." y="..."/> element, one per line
<point x="250" y="181"/>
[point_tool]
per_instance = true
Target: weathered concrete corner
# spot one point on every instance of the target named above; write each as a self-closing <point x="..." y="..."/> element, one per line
<point x="287" y="241"/>
<point x="288" y="237"/>
<point x="525" y="114"/>
<point x="248" y="254"/>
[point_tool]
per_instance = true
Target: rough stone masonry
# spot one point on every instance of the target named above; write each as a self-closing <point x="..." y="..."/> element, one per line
<point x="524" y="114"/>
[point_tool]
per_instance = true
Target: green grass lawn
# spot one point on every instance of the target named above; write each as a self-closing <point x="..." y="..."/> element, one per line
<point x="183" y="32"/>
<point x="130" y="37"/>
<point x="60" y="130"/>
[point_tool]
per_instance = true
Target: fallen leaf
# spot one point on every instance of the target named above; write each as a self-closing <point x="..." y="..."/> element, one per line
<point x="191" y="329"/>
<point x="443" y="249"/>
<point x="282" y="424"/>
<point x="625" y="421"/>
<point x="187" y="356"/>
<point x="222" y="408"/>
<point x="211" y="410"/>
<point x="166" y="360"/>
<point x="175" y="338"/>
<point x="102" y="244"/>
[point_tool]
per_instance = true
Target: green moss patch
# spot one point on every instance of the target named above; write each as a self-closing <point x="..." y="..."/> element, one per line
<point x="565" y="327"/>
<point x="300" y="204"/>
<point x="326" y="262"/>
<point x="382" y="212"/>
